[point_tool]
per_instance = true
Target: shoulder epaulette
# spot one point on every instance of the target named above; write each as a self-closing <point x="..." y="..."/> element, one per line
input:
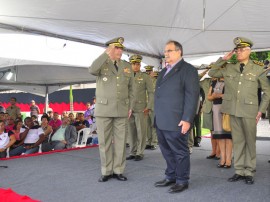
<point x="258" y="63"/>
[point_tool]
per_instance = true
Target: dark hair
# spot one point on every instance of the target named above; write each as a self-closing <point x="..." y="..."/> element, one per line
<point x="28" y="118"/>
<point x="16" y="123"/>
<point x="34" y="116"/>
<point x="45" y="117"/>
<point x="178" y="45"/>
<point x="80" y="113"/>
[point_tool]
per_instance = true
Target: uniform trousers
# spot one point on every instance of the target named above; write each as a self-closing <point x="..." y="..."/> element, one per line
<point x="112" y="144"/>
<point x="244" y="145"/>
<point x="151" y="131"/>
<point x="137" y="133"/>
<point x="174" y="148"/>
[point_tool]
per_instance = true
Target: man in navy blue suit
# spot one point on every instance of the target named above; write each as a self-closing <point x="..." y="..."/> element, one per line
<point x="176" y="99"/>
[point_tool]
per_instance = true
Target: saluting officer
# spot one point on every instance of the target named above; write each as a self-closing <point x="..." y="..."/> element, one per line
<point x="143" y="103"/>
<point x="151" y="139"/>
<point x="114" y="96"/>
<point x="240" y="100"/>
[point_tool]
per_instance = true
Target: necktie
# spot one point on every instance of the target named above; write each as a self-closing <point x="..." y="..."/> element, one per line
<point x="116" y="67"/>
<point x="242" y="67"/>
<point x="169" y="67"/>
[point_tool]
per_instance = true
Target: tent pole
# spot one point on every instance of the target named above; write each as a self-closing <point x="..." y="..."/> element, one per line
<point x="46" y="99"/>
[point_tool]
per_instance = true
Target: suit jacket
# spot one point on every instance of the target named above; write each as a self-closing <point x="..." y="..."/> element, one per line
<point x="176" y="96"/>
<point x="143" y="92"/>
<point x="70" y="135"/>
<point x="240" y="98"/>
<point x="114" y="91"/>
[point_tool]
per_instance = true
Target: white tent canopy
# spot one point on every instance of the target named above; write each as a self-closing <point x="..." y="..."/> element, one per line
<point x="204" y="27"/>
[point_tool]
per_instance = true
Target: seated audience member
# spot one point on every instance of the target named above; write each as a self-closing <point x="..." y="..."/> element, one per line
<point x="6" y="117"/>
<point x="35" y="119"/>
<point x="55" y="122"/>
<point x="7" y="139"/>
<point x="50" y="115"/>
<point x="2" y="116"/>
<point x="71" y="118"/>
<point x="64" y="114"/>
<point x="81" y="123"/>
<point x="17" y="131"/>
<point x="32" y="137"/>
<point x="63" y="138"/>
<point x="47" y="129"/>
<point x="10" y="125"/>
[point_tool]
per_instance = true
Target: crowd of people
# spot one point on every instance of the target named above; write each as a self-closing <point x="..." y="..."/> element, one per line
<point x="42" y="132"/>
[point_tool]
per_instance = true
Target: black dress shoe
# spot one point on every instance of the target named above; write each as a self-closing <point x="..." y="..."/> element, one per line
<point x="148" y="146"/>
<point x="164" y="183"/>
<point x="138" y="158"/>
<point x="104" y="178"/>
<point x="227" y="166"/>
<point x="130" y="157"/>
<point x="178" y="188"/>
<point x="197" y="144"/>
<point x="153" y="147"/>
<point x="236" y="177"/>
<point x="120" y="177"/>
<point x="211" y="156"/>
<point x="249" y="180"/>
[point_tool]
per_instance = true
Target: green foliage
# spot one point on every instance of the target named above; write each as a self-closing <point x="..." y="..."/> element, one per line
<point x="259" y="56"/>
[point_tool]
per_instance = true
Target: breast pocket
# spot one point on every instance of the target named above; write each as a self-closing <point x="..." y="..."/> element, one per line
<point x="250" y="80"/>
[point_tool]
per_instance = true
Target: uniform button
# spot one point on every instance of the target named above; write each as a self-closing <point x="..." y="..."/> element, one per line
<point x="101" y="101"/>
<point x="241" y="74"/>
<point x="238" y="91"/>
<point x="249" y="78"/>
<point x="240" y="83"/>
<point x="117" y="77"/>
<point x="117" y="85"/>
<point x="237" y="100"/>
<point x="250" y="103"/>
<point x="118" y="92"/>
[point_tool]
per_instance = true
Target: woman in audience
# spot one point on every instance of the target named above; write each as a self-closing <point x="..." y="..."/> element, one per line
<point x="17" y="131"/>
<point x="46" y="127"/>
<point x="7" y="139"/>
<point x="224" y="138"/>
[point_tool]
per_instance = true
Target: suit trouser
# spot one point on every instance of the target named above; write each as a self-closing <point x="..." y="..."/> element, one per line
<point x="244" y="145"/>
<point x="112" y="144"/>
<point x="137" y="133"/>
<point x="151" y="131"/>
<point x="174" y="148"/>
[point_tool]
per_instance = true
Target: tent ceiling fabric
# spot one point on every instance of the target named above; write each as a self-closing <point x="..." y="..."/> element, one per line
<point x="147" y="25"/>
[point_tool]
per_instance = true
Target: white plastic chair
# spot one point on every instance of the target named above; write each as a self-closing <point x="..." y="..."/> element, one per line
<point x="86" y="134"/>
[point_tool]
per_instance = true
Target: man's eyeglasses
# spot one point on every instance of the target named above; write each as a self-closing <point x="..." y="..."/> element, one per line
<point x="169" y="51"/>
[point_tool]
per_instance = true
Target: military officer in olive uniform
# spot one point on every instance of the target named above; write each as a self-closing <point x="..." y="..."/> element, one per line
<point x="114" y="94"/>
<point x="137" y="127"/>
<point x="151" y="139"/>
<point x="240" y="100"/>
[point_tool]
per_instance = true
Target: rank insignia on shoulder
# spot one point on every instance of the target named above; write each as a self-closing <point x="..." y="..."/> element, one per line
<point x="258" y="63"/>
<point x="127" y="70"/>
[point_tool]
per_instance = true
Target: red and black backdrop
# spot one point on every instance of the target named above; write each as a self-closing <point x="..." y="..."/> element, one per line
<point x="58" y="101"/>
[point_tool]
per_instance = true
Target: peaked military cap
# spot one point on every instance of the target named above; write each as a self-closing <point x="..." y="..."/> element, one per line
<point x="135" y="58"/>
<point x="149" y="68"/>
<point x="241" y="42"/>
<point x="118" y="42"/>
